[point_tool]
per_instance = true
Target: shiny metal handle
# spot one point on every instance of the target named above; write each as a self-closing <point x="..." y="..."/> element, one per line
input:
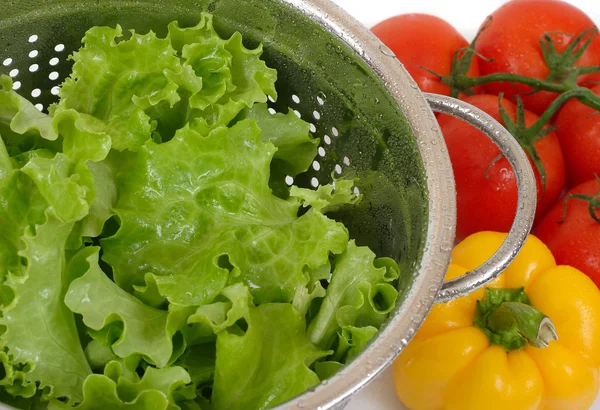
<point x="526" y="203"/>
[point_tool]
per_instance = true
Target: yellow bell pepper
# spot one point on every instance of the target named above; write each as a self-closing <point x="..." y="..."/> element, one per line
<point x="479" y="351"/>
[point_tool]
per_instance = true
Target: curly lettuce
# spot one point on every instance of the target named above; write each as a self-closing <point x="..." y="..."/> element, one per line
<point x="146" y="261"/>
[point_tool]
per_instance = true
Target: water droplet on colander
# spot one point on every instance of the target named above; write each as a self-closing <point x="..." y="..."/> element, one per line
<point x="377" y="101"/>
<point x="403" y="342"/>
<point x="386" y="50"/>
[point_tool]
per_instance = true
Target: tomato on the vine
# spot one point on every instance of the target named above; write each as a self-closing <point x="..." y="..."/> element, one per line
<point x="511" y="44"/>
<point x="572" y="233"/>
<point x="578" y="128"/>
<point x="422" y="40"/>
<point x="486" y="184"/>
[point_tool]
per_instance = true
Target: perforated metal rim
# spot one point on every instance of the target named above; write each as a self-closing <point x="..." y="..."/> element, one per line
<point x="441" y="226"/>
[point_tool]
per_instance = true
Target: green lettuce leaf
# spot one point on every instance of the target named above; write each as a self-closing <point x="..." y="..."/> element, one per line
<point x="360" y="294"/>
<point x="351" y="342"/>
<point x="40" y="330"/>
<point x="221" y="315"/>
<point x="105" y="199"/>
<point x="199" y="361"/>
<point x="296" y="149"/>
<point x="64" y="185"/>
<point x="327" y="198"/>
<point x="198" y="212"/>
<point x="21" y="206"/>
<point x="268" y="364"/>
<point x="101" y="302"/>
<point x="158" y="389"/>
<point x="233" y="76"/>
<point x="22" y="125"/>
<point x="117" y="81"/>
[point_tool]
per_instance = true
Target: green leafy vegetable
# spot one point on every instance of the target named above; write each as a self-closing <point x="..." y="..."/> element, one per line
<point x="40" y="329"/>
<point x="296" y="149"/>
<point x="188" y="204"/>
<point x="327" y="198"/>
<point x="276" y="347"/>
<point x="101" y="302"/>
<point x="152" y="256"/>
<point x="360" y="294"/>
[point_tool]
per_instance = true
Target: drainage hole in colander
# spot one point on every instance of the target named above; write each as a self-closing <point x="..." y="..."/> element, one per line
<point x="338" y="169"/>
<point x="334" y="131"/>
<point x="53" y="75"/>
<point x="33" y="38"/>
<point x="59" y="47"/>
<point x="297" y="113"/>
<point x="314" y="182"/>
<point x="313" y="129"/>
<point x="327" y="140"/>
<point x="346" y="161"/>
<point x="33" y="68"/>
<point x="36" y="93"/>
<point x="272" y="111"/>
<point x="316" y="166"/>
<point x="55" y="90"/>
<point x="321" y="151"/>
<point x="14" y="72"/>
<point x="289" y="180"/>
<point x="296" y="99"/>
<point x="16" y="85"/>
<point x="7" y="62"/>
<point x="317" y="115"/>
<point x="33" y="53"/>
<point x="40" y="107"/>
<point x="54" y="61"/>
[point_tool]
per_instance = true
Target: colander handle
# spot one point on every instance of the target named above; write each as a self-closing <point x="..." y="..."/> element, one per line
<point x="526" y="204"/>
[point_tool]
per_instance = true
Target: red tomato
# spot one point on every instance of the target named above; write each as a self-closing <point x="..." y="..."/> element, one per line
<point x="579" y="134"/>
<point x="421" y="40"/>
<point x="512" y="41"/>
<point x="488" y="200"/>
<point x="576" y="241"/>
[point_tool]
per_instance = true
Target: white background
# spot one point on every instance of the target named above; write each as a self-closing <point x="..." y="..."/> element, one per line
<point x="466" y="16"/>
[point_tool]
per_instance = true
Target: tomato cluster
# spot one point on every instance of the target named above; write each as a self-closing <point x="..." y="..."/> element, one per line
<point x="528" y="58"/>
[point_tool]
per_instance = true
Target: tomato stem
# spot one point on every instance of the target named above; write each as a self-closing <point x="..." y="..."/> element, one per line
<point x="593" y="204"/>
<point x="563" y="72"/>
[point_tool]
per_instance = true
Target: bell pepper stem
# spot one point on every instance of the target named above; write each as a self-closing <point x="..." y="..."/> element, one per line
<point x="531" y="324"/>
<point x="508" y="319"/>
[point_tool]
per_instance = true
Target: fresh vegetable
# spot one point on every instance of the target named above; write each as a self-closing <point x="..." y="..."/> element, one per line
<point x="145" y="262"/>
<point x="578" y="128"/>
<point x="496" y="348"/>
<point x="485" y="182"/>
<point x="427" y="46"/>
<point x="527" y="37"/>
<point x="572" y="229"/>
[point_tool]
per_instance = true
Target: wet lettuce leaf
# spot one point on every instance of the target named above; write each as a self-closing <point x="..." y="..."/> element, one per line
<point x="146" y="261"/>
